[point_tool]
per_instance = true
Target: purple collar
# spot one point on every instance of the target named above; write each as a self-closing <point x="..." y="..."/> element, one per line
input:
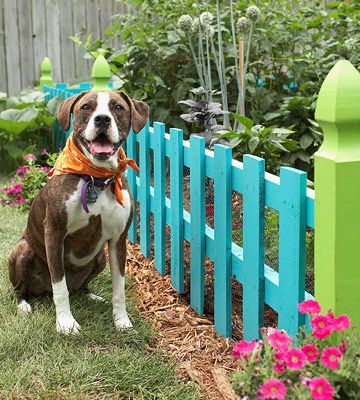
<point x="90" y="183"/>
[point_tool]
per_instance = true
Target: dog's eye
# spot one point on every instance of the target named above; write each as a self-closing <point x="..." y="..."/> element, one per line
<point x="118" y="107"/>
<point x="85" y="107"/>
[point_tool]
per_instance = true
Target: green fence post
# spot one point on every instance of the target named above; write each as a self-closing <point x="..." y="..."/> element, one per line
<point x="45" y="73"/>
<point x="101" y="74"/>
<point x="337" y="193"/>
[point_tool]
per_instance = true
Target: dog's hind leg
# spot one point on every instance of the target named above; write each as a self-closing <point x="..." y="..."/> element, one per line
<point x="20" y="261"/>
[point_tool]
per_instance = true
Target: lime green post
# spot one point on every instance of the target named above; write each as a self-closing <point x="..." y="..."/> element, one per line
<point x="101" y="74"/>
<point x="45" y="73"/>
<point x="337" y="193"/>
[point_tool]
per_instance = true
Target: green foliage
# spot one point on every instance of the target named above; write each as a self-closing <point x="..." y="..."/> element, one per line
<point x="27" y="181"/>
<point x="270" y="143"/>
<point x="293" y="46"/>
<point x="25" y="124"/>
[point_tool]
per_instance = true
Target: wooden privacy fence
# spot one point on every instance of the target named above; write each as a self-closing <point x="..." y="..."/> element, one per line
<point x="282" y="290"/>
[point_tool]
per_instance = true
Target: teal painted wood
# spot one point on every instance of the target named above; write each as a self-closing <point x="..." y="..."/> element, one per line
<point x="292" y="248"/>
<point x="144" y="190"/>
<point x="61" y="86"/>
<point x="84" y="86"/>
<point x="197" y="223"/>
<point x="253" y="242"/>
<point x="131" y="176"/>
<point x="159" y="197"/>
<point x="177" y="209"/>
<point x="222" y="240"/>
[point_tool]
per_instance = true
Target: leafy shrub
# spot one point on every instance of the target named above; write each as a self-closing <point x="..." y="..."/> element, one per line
<point x="293" y="47"/>
<point x="25" y="124"/>
<point x="28" y="180"/>
<point x="323" y="365"/>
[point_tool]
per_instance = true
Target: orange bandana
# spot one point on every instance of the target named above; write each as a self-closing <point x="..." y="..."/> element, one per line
<point x="73" y="161"/>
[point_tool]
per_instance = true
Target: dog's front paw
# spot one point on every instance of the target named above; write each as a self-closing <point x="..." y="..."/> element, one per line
<point x="24" y="307"/>
<point x="122" y="322"/>
<point x="66" y="324"/>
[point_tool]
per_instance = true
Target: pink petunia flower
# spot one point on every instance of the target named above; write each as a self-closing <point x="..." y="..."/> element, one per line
<point x="20" y="200"/>
<point x="321" y="389"/>
<point x="322" y="326"/>
<point x="294" y="359"/>
<point x="330" y="357"/>
<point x="311" y="352"/>
<point x="45" y="169"/>
<point x="272" y="389"/>
<point x="279" y="366"/>
<point x="341" y="323"/>
<point x="244" y="348"/>
<point x="43" y="152"/>
<point x="343" y="346"/>
<point x="15" y="189"/>
<point x="280" y="340"/>
<point x="309" y="307"/>
<point x="29" y="156"/>
<point x="21" y="170"/>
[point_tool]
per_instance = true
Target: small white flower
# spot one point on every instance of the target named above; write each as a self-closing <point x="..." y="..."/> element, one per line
<point x="185" y="23"/>
<point x="243" y="24"/>
<point x="253" y="13"/>
<point x="206" y="18"/>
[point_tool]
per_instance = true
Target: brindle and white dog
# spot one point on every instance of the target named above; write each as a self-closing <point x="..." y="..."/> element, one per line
<point x="62" y="247"/>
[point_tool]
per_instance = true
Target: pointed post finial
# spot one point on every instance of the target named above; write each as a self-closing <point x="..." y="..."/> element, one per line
<point x="337" y="190"/>
<point x="45" y="73"/>
<point x="101" y="74"/>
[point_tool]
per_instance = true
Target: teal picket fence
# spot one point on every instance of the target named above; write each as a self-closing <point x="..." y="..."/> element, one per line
<point x="167" y="154"/>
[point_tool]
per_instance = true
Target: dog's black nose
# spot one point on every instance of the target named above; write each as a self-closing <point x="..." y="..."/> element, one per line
<point x="102" y="120"/>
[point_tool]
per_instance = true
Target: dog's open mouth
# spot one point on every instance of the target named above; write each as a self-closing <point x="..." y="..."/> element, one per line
<point x="101" y="147"/>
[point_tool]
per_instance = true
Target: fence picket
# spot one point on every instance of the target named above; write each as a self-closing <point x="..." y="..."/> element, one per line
<point x="197" y="223"/>
<point x="144" y="191"/>
<point x="131" y="176"/>
<point x="253" y="245"/>
<point x="176" y="195"/>
<point x="222" y="240"/>
<point x="292" y="248"/>
<point x="159" y="196"/>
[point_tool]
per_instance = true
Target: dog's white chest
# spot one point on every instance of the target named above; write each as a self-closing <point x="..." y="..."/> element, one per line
<point x="114" y="217"/>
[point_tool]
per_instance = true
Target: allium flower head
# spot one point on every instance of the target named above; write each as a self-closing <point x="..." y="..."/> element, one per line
<point x="196" y="24"/>
<point x="243" y="25"/>
<point x="206" y="18"/>
<point x="272" y="389"/>
<point x="280" y="340"/>
<point x="253" y="13"/>
<point x="294" y="359"/>
<point x="321" y="389"/>
<point x="322" y="326"/>
<point x="185" y="23"/>
<point x="311" y="352"/>
<point x="330" y="357"/>
<point x="309" y="307"/>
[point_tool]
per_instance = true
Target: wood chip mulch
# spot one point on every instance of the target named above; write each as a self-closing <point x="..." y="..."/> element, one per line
<point x="202" y="355"/>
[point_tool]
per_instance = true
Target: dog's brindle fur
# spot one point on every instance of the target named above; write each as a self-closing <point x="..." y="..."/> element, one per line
<point x="62" y="247"/>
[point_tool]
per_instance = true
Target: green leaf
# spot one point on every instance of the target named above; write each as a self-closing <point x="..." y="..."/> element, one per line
<point x="277" y="144"/>
<point x="306" y="141"/>
<point x="249" y="123"/>
<point x="253" y="143"/>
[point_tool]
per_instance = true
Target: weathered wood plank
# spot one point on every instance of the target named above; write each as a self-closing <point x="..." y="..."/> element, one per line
<point x="79" y="23"/>
<point x="105" y="15"/>
<point x="39" y="34"/>
<point x="26" y="43"/>
<point x="53" y="37"/>
<point x="3" y="72"/>
<point x="67" y="46"/>
<point x="12" y="47"/>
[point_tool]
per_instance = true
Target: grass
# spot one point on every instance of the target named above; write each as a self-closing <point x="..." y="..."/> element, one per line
<point x="98" y="363"/>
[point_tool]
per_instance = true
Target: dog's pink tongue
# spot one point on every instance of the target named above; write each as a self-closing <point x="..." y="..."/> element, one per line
<point x="101" y="147"/>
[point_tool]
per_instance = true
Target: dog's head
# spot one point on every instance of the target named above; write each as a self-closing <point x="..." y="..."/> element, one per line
<point x="102" y="122"/>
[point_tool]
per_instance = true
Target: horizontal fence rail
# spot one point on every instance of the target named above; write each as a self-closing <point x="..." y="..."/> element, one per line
<point x="288" y="195"/>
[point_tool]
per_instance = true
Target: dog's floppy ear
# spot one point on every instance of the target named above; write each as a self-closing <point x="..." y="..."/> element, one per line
<point x="66" y="108"/>
<point x="139" y="112"/>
